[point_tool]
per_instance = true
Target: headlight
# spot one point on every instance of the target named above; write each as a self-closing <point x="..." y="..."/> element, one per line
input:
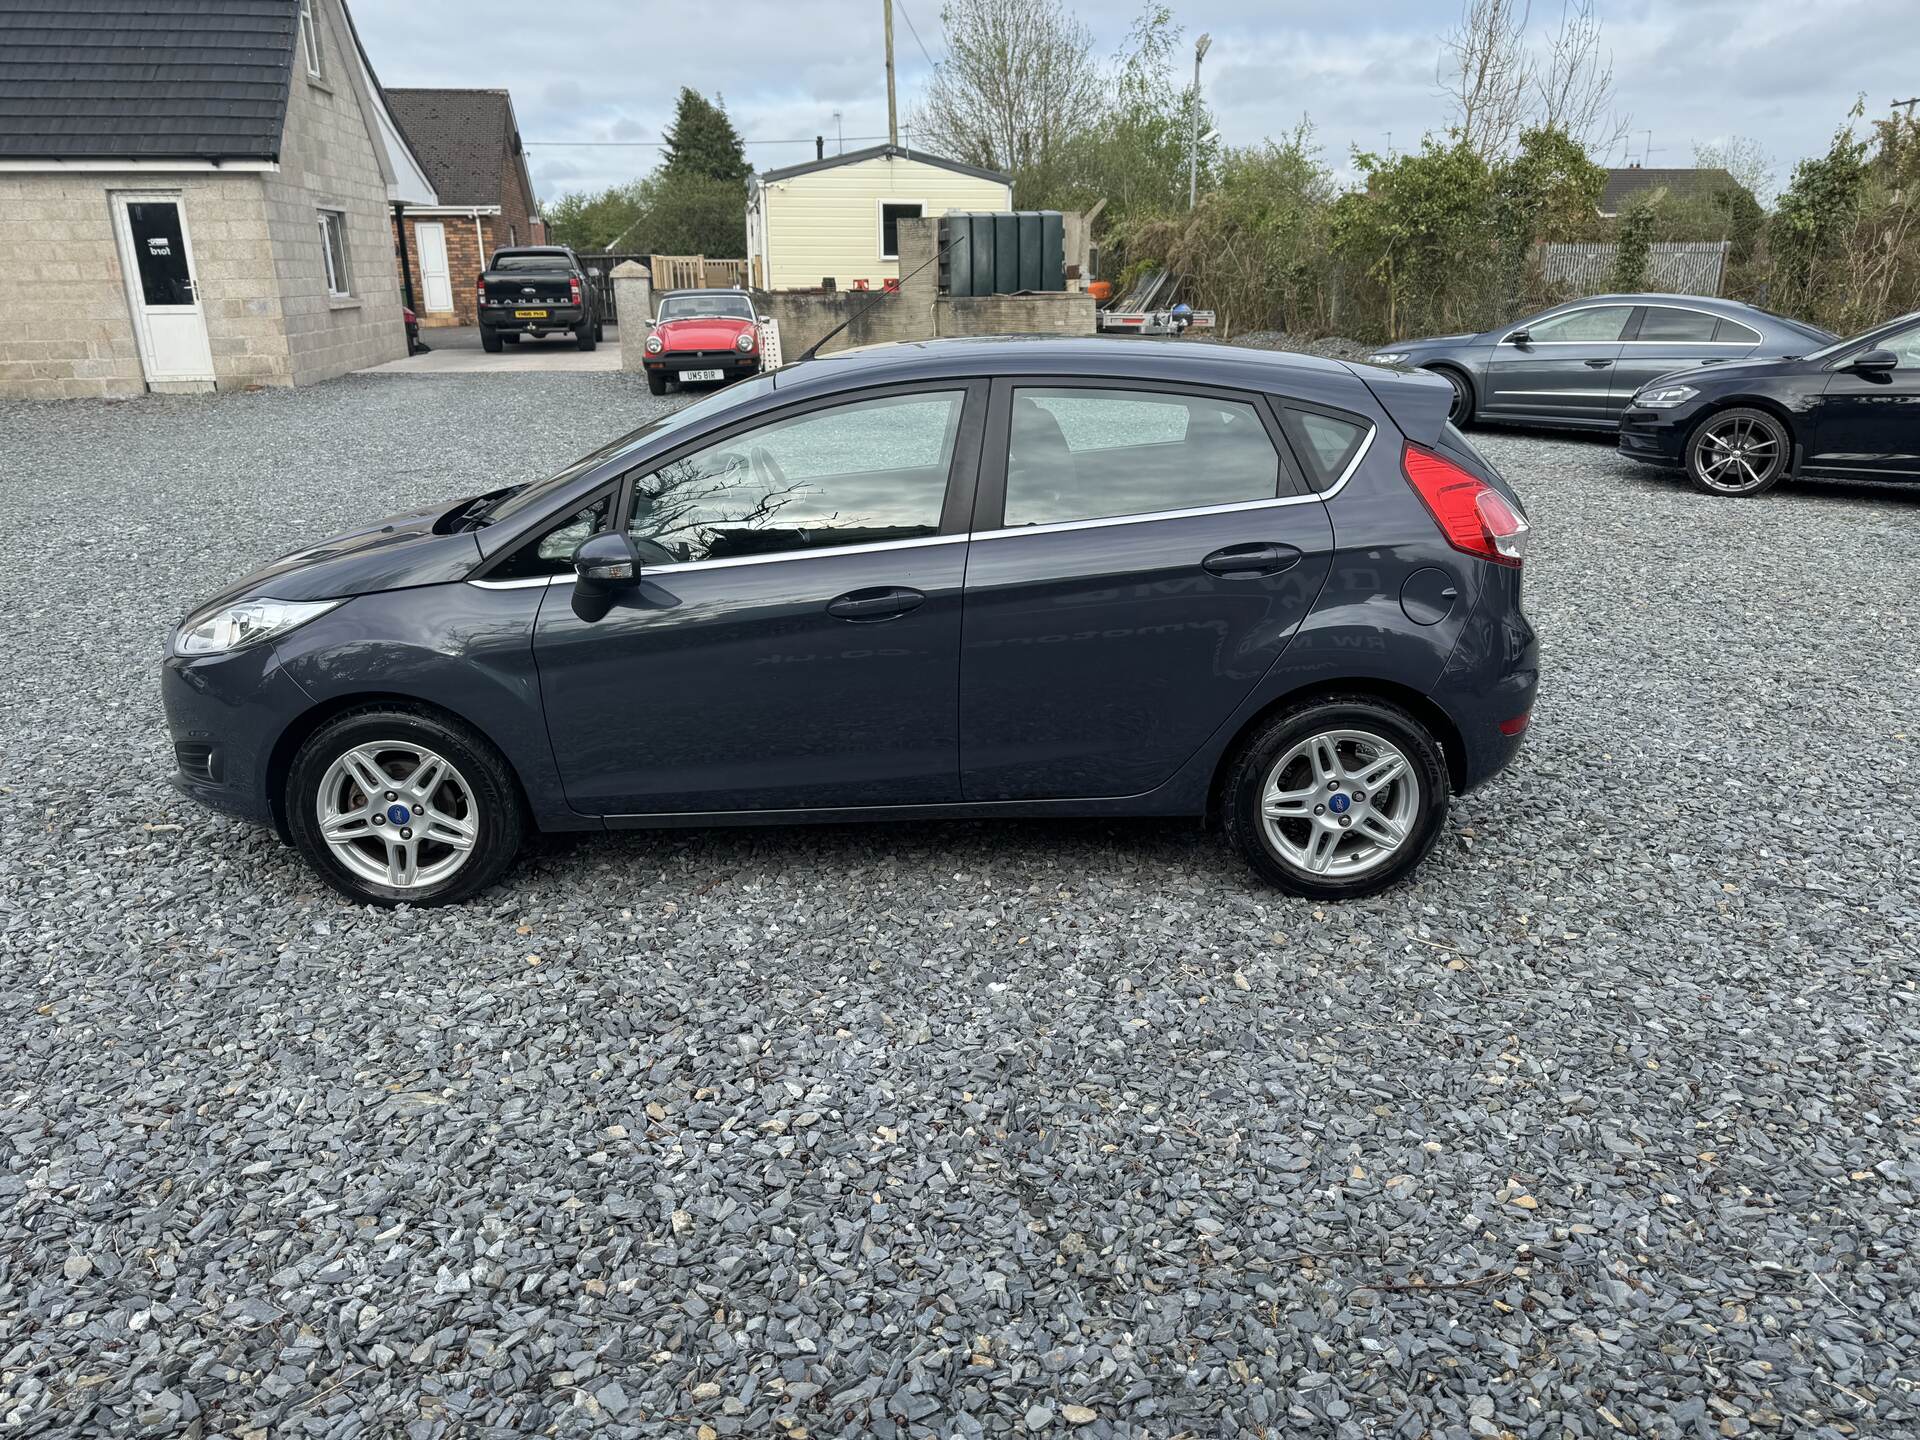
<point x="1664" y="397"/>
<point x="1388" y="357"/>
<point x="745" y="342"/>
<point x="214" y="632"/>
<point x="655" y="345"/>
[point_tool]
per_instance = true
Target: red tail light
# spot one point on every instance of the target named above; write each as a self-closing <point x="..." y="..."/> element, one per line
<point x="573" y="284"/>
<point x="479" y="292"/>
<point x="1475" y="517"/>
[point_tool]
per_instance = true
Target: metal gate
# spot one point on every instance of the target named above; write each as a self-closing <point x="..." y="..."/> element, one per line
<point x="600" y="270"/>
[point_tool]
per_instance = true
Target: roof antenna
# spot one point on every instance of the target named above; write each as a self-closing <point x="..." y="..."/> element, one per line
<point x="812" y="351"/>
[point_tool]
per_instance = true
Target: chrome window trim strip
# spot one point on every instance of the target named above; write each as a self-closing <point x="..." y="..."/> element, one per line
<point x="538" y="582"/>
<point x="1758" y="338"/>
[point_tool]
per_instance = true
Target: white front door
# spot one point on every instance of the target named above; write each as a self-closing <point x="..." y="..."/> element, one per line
<point x="435" y="282"/>
<point x="167" y="318"/>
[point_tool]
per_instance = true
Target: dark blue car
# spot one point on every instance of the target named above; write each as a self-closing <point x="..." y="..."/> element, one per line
<point x="960" y="578"/>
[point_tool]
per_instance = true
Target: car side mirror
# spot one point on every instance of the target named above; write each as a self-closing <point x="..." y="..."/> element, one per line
<point x="1519" y="337"/>
<point x="607" y="562"/>
<point x="1875" y="362"/>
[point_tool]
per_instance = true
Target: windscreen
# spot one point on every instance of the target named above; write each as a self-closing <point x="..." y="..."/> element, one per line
<point x="691" y="307"/>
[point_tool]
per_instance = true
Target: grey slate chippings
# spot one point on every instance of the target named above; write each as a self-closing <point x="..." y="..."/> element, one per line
<point x="1606" y="1125"/>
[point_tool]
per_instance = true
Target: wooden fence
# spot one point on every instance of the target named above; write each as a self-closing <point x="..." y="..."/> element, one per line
<point x="696" y="272"/>
<point x="1673" y="267"/>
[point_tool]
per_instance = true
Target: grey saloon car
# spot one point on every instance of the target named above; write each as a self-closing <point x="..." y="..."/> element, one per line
<point x="987" y="578"/>
<point x="1577" y="365"/>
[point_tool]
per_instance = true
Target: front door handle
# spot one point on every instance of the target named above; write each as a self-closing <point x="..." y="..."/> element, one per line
<point x="881" y="603"/>
<point x="1255" y="559"/>
<point x="1598" y="364"/>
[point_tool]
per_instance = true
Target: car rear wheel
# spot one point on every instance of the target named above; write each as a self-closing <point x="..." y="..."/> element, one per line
<point x="1337" y="798"/>
<point x="489" y="339"/>
<point x="656" y="384"/>
<point x="599" y="330"/>
<point x="1460" y="409"/>
<point x="509" y="337"/>
<point x="583" y="337"/>
<point x="1738" y="453"/>
<point x="392" y="805"/>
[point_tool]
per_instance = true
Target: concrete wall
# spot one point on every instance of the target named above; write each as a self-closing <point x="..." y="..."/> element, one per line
<point x="828" y="222"/>
<point x="328" y="161"/>
<point x="918" y="311"/>
<point x="57" y="240"/>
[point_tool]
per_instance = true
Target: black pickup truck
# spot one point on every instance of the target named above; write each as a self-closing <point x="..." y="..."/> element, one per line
<point x="535" y="289"/>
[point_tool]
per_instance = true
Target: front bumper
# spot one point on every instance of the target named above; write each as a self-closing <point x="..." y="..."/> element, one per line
<point x="732" y="363"/>
<point x="1655" y="437"/>
<point x="224" y="714"/>
<point x="558" y="317"/>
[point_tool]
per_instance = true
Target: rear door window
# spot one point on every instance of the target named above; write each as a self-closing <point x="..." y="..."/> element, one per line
<point x="1084" y="453"/>
<point x="1667" y="325"/>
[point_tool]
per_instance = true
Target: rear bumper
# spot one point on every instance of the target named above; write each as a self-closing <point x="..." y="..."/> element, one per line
<point x="1491" y="681"/>
<point x="558" y="317"/>
<point x="1655" y="437"/>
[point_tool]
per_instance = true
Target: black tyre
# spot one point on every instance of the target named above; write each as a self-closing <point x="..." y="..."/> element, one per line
<point x="509" y="337"/>
<point x="583" y="337"/>
<point x="1738" y="453"/>
<point x="393" y="805"/>
<point x="1460" y="410"/>
<point x="599" y="330"/>
<point x="489" y="340"/>
<point x="656" y="383"/>
<point x="1337" y="798"/>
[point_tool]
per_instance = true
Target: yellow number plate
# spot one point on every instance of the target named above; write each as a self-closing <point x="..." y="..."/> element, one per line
<point x="529" y="314"/>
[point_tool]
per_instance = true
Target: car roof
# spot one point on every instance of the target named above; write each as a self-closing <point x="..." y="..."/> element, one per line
<point x="708" y="290"/>
<point x="1197" y="361"/>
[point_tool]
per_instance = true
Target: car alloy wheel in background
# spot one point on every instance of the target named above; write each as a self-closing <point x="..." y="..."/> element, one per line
<point x="1460" y="408"/>
<point x="1337" y="798"/>
<point x="1738" y="452"/>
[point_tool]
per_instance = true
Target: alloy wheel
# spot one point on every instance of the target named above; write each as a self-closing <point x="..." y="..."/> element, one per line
<point x="1738" y="454"/>
<point x="397" y="814"/>
<point x="1340" y="803"/>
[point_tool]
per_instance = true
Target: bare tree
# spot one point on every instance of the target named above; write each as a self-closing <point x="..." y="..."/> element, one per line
<point x="1019" y="79"/>
<point x="1486" y="73"/>
<point x="1742" y="158"/>
<point x="1574" y="87"/>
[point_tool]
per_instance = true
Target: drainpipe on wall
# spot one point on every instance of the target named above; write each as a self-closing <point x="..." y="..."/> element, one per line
<point x="406" y="264"/>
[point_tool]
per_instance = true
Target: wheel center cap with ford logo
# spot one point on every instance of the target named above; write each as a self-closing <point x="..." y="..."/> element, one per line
<point x="1339" y="804"/>
<point x="399" y="814"/>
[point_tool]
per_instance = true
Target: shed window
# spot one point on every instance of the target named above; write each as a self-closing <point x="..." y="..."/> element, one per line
<point x="892" y="212"/>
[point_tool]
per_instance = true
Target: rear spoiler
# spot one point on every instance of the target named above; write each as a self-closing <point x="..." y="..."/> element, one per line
<point x="1417" y="401"/>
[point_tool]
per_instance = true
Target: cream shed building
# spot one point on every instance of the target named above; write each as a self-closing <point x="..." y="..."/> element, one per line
<point x="835" y="219"/>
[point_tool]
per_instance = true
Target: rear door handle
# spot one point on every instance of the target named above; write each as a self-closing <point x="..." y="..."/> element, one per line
<point x="1598" y="364"/>
<point x="881" y="603"/>
<point x="1255" y="559"/>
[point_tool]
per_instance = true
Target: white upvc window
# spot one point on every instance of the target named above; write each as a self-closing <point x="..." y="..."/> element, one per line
<point x="310" y="37"/>
<point x="892" y="212"/>
<point x="333" y="245"/>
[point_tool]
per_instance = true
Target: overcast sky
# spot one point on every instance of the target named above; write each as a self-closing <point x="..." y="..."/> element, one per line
<point x="1783" y="72"/>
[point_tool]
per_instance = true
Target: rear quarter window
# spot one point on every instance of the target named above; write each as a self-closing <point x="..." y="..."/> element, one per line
<point x="1327" y="443"/>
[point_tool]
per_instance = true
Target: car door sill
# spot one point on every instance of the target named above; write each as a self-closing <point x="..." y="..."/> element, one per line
<point x="1152" y="803"/>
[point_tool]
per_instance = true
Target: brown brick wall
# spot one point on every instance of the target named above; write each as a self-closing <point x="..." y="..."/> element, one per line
<point x="466" y="257"/>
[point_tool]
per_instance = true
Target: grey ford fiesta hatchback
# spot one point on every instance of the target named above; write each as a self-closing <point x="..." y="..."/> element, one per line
<point x="960" y="578"/>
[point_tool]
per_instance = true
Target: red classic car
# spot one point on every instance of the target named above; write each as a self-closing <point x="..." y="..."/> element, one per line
<point x="702" y="335"/>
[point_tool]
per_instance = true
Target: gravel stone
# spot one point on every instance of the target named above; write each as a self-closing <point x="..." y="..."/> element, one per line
<point x="929" y="1130"/>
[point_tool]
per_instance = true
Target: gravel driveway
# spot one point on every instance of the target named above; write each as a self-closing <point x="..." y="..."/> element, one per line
<point x="1607" y="1125"/>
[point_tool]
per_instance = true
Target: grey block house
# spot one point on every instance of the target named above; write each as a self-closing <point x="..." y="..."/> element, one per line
<point x="197" y="196"/>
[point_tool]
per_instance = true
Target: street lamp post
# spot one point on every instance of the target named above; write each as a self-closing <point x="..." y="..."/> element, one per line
<point x="1193" y="141"/>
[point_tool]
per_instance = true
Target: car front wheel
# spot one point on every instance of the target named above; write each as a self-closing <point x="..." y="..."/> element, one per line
<point x="1738" y="453"/>
<point x="656" y="383"/>
<point x="1337" y="798"/>
<point x="392" y="805"/>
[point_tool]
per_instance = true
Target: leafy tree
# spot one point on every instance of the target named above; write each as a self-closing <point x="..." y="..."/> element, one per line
<point x="664" y="214"/>
<point x="596" y="222"/>
<point x="701" y="141"/>
<point x="1418" y="238"/>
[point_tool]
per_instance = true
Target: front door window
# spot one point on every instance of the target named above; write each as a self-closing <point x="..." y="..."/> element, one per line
<point x="853" y="475"/>
<point x="160" y="252"/>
